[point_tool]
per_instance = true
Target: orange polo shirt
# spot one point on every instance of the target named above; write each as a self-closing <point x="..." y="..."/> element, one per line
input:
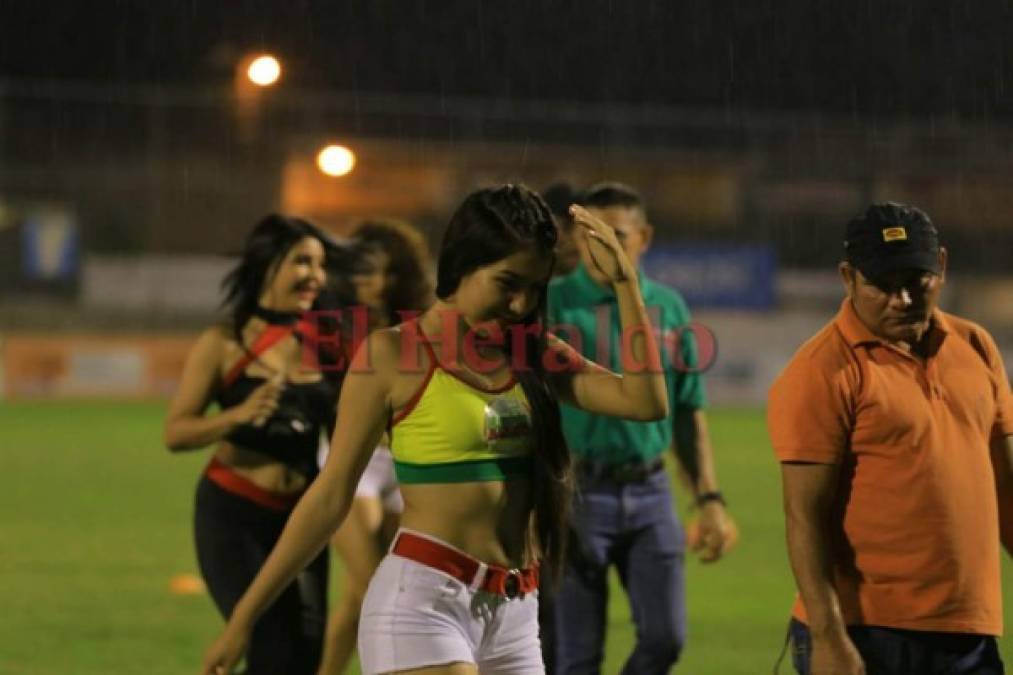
<point x="917" y="545"/>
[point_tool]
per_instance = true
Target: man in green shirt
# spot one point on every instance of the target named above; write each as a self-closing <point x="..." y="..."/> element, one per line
<point x="623" y="512"/>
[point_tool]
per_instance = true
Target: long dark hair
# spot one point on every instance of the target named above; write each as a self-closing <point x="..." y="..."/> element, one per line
<point x="409" y="263"/>
<point x="490" y="225"/>
<point x="264" y="248"/>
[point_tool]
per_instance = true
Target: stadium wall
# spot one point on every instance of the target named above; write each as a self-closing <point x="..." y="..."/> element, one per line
<point x="751" y="351"/>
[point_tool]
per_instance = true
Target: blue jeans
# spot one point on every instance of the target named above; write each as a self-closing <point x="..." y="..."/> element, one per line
<point x="893" y="651"/>
<point x="634" y="527"/>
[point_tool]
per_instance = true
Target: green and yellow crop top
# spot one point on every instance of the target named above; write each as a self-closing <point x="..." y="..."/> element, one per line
<point x="454" y="432"/>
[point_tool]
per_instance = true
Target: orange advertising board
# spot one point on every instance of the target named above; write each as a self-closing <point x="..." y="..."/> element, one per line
<point x="40" y="365"/>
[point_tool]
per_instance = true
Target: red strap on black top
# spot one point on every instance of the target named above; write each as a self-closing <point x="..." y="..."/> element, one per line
<point x="267" y="339"/>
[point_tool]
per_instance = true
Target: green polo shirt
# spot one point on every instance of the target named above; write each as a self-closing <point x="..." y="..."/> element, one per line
<point x="576" y="301"/>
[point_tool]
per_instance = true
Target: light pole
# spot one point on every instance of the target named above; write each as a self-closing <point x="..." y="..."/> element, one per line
<point x="255" y="73"/>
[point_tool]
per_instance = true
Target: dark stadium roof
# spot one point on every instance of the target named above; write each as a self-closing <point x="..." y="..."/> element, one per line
<point x="921" y="58"/>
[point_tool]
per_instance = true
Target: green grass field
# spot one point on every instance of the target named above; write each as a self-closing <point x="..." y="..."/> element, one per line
<point x="95" y="519"/>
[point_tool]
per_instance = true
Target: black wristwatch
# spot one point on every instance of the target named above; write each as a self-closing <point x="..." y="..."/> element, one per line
<point x="713" y="496"/>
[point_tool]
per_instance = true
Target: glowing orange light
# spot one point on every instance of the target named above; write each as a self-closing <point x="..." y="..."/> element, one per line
<point x="336" y="160"/>
<point x="264" y="70"/>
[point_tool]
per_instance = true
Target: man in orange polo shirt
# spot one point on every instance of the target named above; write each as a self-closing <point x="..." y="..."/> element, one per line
<point x="894" y="429"/>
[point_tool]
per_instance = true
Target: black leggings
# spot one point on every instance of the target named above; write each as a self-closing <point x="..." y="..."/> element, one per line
<point x="234" y="536"/>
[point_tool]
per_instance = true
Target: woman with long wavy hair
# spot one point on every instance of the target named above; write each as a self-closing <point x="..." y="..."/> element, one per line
<point x="469" y="394"/>
<point x="273" y="406"/>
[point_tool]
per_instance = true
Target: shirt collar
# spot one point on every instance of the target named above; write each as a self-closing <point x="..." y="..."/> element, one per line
<point x="596" y="293"/>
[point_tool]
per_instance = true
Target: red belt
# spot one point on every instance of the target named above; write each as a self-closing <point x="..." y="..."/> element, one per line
<point x="224" y="477"/>
<point x="477" y="575"/>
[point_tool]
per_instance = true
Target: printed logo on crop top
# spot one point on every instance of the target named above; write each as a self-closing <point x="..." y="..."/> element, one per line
<point x="507" y="421"/>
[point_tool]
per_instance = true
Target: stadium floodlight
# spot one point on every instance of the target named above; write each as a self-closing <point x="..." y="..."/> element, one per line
<point x="264" y="70"/>
<point x="335" y="160"/>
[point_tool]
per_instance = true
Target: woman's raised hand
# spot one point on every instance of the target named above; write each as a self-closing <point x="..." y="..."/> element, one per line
<point x="606" y="251"/>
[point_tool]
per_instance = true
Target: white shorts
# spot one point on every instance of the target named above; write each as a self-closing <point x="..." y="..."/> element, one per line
<point x="378" y="480"/>
<point x="414" y="616"/>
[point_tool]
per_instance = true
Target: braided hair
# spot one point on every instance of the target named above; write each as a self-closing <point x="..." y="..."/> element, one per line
<point x="492" y="224"/>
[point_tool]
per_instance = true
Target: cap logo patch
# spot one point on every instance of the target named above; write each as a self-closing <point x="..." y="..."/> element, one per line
<point x="894" y="234"/>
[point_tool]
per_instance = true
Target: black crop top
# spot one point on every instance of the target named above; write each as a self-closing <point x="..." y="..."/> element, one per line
<point x="305" y="410"/>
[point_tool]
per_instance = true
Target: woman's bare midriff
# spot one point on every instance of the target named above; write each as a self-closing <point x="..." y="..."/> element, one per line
<point x="261" y="470"/>
<point x="489" y="520"/>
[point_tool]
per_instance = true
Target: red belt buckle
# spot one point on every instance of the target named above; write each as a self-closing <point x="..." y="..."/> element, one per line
<point x="512" y="584"/>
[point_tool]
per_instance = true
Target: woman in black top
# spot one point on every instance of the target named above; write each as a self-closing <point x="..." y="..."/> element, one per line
<point x="275" y="399"/>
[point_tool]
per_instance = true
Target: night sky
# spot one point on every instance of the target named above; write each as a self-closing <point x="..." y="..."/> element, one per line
<point x="917" y="58"/>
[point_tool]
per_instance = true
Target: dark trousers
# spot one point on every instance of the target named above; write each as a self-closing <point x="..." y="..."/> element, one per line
<point x="893" y="651"/>
<point x="634" y="527"/>
<point x="234" y="537"/>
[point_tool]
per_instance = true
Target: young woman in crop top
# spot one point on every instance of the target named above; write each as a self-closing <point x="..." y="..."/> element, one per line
<point x="469" y="394"/>
<point x="273" y="403"/>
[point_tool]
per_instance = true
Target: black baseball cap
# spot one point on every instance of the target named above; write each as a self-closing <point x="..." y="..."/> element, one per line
<point x="890" y="237"/>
